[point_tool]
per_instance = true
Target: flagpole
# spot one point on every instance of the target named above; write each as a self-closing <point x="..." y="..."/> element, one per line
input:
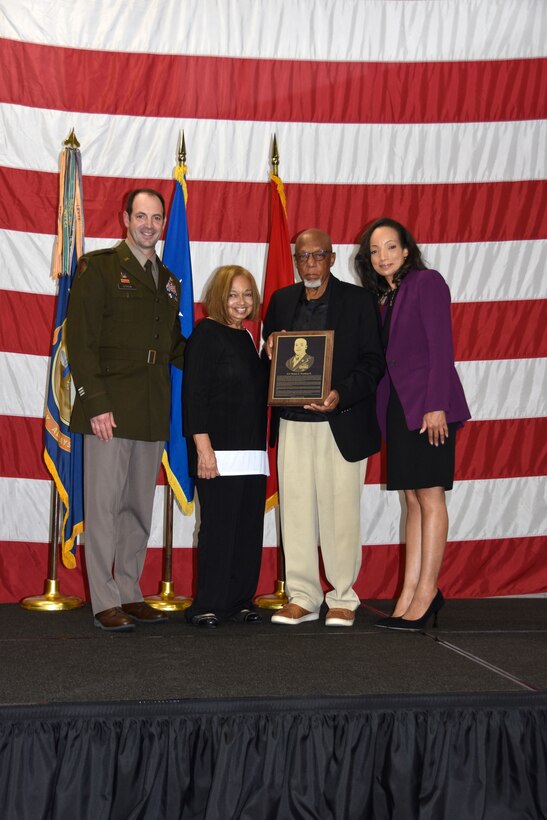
<point x="52" y="600"/>
<point x="278" y="598"/>
<point x="167" y="600"/>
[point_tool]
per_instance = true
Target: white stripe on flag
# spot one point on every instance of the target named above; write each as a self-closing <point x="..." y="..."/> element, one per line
<point x="475" y="271"/>
<point x="326" y="153"/>
<point x="403" y="31"/>
<point x="493" y="508"/>
<point x="506" y="389"/>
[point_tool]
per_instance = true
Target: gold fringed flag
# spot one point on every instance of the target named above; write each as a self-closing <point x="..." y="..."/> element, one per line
<point x="63" y="451"/>
<point x="176" y="255"/>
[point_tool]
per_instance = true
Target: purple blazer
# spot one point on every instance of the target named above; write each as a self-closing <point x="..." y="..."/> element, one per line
<point x="420" y="353"/>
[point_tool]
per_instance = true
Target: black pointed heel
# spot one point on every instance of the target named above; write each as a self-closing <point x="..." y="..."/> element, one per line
<point x="406" y="625"/>
<point x="386" y="623"/>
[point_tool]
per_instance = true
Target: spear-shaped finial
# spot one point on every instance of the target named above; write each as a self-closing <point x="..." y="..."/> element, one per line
<point x="71" y="141"/>
<point x="275" y="158"/>
<point x="181" y="149"/>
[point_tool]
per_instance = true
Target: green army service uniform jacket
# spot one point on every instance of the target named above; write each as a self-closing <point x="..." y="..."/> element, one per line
<point x="122" y="333"/>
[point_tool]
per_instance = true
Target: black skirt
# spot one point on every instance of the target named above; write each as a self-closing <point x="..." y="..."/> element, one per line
<point x="412" y="462"/>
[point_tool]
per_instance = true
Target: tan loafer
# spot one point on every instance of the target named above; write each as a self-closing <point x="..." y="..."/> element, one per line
<point x="337" y="616"/>
<point x="293" y="614"/>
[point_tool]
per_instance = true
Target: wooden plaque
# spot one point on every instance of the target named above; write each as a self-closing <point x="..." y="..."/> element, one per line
<point x="301" y="367"/>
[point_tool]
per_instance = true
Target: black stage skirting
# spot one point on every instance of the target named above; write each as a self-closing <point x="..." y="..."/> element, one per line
<point x="456" y="757"/>
<point x="276" y="723"/>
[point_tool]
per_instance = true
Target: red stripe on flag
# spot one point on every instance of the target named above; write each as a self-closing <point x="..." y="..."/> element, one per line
<point x="203" y="87"/>
<point x="502" y="448"/>
<point x="500" y="330"/>
<point x="482" y="330"/>
<point x="238" y="211"/>
<point x="21" y="454"/>
<point x="486" y="449"/>
<point x="505" y="448"/>
<point x="27" y="322"/>
<point x="472" y="569"/>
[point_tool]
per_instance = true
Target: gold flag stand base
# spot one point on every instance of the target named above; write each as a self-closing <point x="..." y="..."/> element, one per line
<point x="167" y="600"/>
<point x="275" y="601"/>
<point x="51" y="600"/>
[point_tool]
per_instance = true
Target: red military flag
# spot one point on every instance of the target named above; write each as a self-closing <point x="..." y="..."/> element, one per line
<point x="279" y="274"/>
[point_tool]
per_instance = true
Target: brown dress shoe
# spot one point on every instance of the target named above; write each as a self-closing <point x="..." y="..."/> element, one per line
<point x="113" y="620"/>
<point x="144" y="613"/>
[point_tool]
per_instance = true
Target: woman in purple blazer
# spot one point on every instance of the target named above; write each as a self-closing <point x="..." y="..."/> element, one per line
<point x="420" y="405"/>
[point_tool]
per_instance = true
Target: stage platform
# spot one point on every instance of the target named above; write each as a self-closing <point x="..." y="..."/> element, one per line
<point x="270" y="722"/>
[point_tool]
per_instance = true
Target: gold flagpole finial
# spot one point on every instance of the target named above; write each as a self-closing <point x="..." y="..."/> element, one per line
<point x="71" y="141"/>
<point x="180" y="170"/>
<point x="275" y="157"/>
<point x="181" y="149"/>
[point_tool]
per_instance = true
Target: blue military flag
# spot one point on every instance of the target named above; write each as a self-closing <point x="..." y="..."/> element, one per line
<point x="63" y="451"/>
<point x="176" y="255"/>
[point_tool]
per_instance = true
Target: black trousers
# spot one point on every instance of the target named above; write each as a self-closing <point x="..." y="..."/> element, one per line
<point x="229" y="543"/>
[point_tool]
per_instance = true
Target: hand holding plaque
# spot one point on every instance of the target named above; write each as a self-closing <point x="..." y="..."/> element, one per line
<point x="301" y="367"/>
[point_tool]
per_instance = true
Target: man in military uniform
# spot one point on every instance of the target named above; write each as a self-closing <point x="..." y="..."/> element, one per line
<point x="123" y="330"/>
<point x="301" y="360"/>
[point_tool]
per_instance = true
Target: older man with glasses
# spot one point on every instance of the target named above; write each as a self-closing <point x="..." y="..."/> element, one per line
<point x="323" y="448"/>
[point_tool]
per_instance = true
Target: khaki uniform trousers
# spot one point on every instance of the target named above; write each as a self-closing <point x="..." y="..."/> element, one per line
<point x="319" y="494"/>
<point x="119" y="484"/>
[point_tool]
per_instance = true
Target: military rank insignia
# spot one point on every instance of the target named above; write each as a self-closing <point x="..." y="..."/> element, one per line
<point x="125" y="282"/>
<point x="171" y="288"/>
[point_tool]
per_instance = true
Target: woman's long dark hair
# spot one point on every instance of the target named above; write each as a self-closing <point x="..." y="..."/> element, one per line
<point x="368" y="276"/>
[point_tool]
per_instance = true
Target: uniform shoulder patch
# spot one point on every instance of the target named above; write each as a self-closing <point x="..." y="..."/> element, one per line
<point x="82" y="266"/>
<point x="84" y="260"/>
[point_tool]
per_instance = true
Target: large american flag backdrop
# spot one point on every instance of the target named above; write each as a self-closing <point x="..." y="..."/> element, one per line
<point x="430" y="111"/>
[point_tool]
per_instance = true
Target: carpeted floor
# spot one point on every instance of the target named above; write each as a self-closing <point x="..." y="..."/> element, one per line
<point x="480" y="646"/>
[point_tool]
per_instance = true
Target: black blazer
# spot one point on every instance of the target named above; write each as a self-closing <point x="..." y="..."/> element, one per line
<point x="357" y="366"/>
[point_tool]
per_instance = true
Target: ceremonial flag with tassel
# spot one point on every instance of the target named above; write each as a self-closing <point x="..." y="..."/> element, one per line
<point x="63" y="451"/>
<point x="176" y="255"/>
<point x="279" y="274"/>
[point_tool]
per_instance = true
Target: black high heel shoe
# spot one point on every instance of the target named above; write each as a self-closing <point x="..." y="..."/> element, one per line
<point x="407" y="625"/>
<point x="385" y="623"/>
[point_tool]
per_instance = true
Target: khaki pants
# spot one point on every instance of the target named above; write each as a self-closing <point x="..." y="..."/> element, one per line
<point x="319" y="494"/>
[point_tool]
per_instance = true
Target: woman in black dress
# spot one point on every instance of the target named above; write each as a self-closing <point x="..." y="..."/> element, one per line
<point x="224" y="404"/>
<point x="420" y="404"/>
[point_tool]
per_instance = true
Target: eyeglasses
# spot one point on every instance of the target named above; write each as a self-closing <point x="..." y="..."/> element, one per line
<point x="302" y="257"/>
